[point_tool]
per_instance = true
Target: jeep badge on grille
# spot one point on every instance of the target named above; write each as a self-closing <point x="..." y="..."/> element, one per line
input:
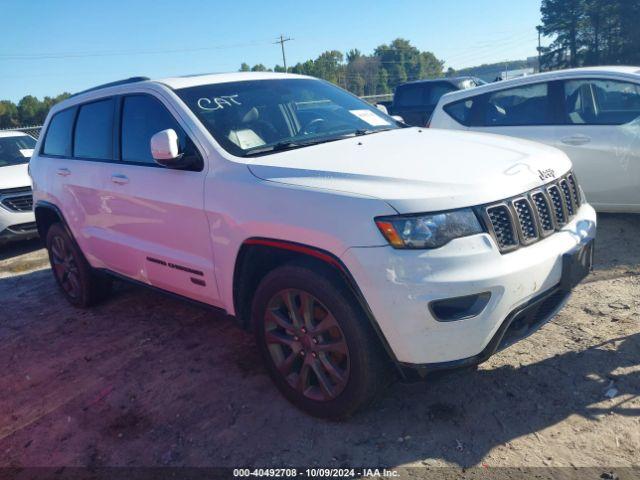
<point x="548" y="173"/>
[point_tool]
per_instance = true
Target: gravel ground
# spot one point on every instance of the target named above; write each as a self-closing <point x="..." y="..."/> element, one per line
<point x="148" y="380"/>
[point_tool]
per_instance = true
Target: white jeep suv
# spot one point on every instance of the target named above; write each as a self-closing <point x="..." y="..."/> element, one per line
<point x="355" y="248"/>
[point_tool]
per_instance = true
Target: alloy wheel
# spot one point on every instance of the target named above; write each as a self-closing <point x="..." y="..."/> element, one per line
<point x="65" y="267"/>
<point x="307" y="345"/>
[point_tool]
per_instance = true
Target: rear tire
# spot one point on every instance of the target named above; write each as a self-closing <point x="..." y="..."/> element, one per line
<point x="80" y="284"/>
<point x="318" y="346"/>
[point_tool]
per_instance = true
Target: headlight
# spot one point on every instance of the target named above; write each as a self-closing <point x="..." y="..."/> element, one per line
<point x="429" y="230"/>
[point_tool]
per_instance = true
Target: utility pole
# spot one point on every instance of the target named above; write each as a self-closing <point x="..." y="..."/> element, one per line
<point x="281" y="41"/>
<point x="539" y="28"/>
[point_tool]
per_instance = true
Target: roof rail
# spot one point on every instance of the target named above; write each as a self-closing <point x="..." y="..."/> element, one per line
<point x="113" y="84"/>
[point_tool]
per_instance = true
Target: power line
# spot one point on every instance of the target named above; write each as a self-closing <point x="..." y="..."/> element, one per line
<point x="45" y="56"/>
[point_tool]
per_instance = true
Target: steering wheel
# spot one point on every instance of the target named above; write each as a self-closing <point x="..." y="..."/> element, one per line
<point x="307" y="129"/>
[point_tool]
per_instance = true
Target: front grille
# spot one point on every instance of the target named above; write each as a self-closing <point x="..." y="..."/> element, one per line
<point x="526" y="220"/>
<point x="567" y="196"/>
<point x="543" y="211"/>
<point x="575" y="191"/>
<point x="17" y="200"/>
<point x="503" y="230"/>
<point x="558" y="208"/>
<point x="533" y="215"/>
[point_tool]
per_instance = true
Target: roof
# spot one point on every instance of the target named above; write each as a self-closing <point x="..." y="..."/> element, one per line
<point x="626" y="71"/>
<point x="441" y="79"/>
<point x="195" y="80"/>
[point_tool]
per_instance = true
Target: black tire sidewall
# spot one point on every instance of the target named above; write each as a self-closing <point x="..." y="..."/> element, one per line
<point x="84" y="270"/>
<point x="363" y="351"/>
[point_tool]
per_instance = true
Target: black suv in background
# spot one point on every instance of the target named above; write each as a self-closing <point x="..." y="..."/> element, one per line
<point x="415" y="101"/>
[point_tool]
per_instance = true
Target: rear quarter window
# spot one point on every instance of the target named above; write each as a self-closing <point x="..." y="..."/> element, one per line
<point x="57" y="140"/>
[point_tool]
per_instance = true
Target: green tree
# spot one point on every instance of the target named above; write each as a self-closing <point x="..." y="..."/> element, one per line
<point x="403" y="62"/>
<point x="244" y="67"/>
<point x="8" y="114"/>
<point x="591" y="32"/>
<point x="29" y="110"/>
<point x="259" y="68"/>
<point x="563" y="18"/>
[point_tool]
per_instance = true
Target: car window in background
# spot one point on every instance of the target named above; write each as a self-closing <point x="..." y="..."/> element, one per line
<point x="57" y="140"/>
<point x="262" y="116"/>
<point x="16" y="150"/>
<point x="142" y="117"/>
<point x="461" y="111"/>
<point x="422" y="94"/>
<point x="601" y="102"/>
<point x="527" y="105"/>
<point x="436" y="91"/>
<point x="409" y="95"/>
<point x="94" y="131"/>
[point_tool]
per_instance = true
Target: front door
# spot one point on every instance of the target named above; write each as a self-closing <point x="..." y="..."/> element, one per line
<point x="156" y="213"/>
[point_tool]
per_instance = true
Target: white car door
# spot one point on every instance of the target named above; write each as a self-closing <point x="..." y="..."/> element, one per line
<point x="156" y="216"/>
<point x="601" y="135"/>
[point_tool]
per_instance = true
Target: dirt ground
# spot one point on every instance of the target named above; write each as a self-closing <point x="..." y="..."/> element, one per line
<point x="148" y="380"/>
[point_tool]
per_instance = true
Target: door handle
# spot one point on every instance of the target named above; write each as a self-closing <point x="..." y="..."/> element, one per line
<point x="576" y="140"/>
<point x="63" y="172"/>
<point x="119" y="178"/>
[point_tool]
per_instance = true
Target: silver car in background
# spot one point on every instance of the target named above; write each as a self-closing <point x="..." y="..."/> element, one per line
<point x="592" y="114"/>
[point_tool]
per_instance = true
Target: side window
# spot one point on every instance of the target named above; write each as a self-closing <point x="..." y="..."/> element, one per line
<point x="142" y="117"/>
<point x="57" y="140"/>
<point x="409" y="96"/>
<point x="461" y="111"/>
<point x="436" y="91"/>
<point x="601" y="102"/>
<point x="527" y="105"/>
<point x="94" y="131"/>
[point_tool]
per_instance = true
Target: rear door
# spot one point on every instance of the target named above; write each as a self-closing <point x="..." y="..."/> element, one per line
<point x="156" y="214"/>
<point x="601" y="134"/>
<point x="77" y="147"/>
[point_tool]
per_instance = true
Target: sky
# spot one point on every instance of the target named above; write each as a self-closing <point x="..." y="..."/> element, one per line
<point x="52" y="46"/>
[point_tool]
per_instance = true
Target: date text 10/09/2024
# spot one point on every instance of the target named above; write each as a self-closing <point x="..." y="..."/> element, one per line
<point x="315" y="473"/>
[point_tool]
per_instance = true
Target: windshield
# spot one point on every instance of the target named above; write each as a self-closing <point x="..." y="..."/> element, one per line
<point x="16" y="150"/>
<point x="259" y="117"/>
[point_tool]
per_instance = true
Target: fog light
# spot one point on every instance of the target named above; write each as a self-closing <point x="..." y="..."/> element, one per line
<point x="459" y="308"/>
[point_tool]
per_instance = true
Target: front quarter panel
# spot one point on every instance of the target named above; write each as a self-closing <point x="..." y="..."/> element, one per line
<point x="240" y="206"/>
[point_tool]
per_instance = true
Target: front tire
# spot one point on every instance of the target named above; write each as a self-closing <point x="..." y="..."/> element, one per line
<point x="318" y="346"/>
<point x="80" y="284"/>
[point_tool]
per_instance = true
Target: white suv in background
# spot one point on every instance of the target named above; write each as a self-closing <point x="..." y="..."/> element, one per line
<point x="592" y="114"/>
<point x="17" y="221"/>
<point x="355" y="248"/>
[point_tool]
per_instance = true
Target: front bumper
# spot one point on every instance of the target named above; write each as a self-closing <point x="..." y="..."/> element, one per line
<point x="17" y="225"/>
<point x="399" y="286"/>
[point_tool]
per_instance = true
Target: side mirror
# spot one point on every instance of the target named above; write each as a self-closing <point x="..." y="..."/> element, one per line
<point x="164" y="148"/>
<point x="398" y="118"/>
<point x="382" y="108"/>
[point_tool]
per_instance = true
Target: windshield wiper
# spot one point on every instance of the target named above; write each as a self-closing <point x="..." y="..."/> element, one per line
<point x="291" y="144"/>
<point x="276" y="147"/>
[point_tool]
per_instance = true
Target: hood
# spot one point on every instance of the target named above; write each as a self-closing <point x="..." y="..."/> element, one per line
<point x="15" y="176"/>
<point x="419" y="170"/>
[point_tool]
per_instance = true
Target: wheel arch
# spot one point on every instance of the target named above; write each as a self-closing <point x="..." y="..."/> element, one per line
<point x="47" y="214"/>
<point x="257" y="256"/>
